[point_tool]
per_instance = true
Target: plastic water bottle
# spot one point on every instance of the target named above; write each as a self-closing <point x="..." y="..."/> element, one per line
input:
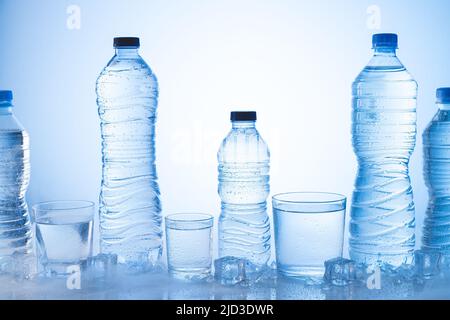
<point x="384" y="135"/>
<point x="15" y="227"/>
<point x="130" y="209"/>
<point x="436" y="140"/>
<point x="244" y="228"/>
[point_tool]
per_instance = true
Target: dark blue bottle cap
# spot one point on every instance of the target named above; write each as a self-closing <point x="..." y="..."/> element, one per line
<point x="122" y="42"/>
<point x="443" y="95"/>
<point x="243" y="116"/>
<point x="385" y="40"/>
<point x="6" y="95"/>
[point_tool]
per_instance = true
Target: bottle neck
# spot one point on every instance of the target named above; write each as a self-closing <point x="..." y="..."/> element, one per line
<point x="385" y="51"/>
<point x="5" y="107"/>
<point x="243" y="124"/>
<point x="127" y="52"/>
<point x="444" y="106"/>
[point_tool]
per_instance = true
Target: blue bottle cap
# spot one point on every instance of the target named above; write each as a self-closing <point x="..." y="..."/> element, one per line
<point x="243" y="116"/>
<point x="6" y="95"/>
<point x="443" y="95"/>
<point x="122" y="42"/>
<point x="385" y="40"/>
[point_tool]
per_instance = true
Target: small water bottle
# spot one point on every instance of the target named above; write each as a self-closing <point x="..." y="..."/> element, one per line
<point x="15" y="227"/>
<point x="382" y="224"/>
<point x="436" y="142"/>
<point x="244" y="228"/>
<point x="130" y="209"/>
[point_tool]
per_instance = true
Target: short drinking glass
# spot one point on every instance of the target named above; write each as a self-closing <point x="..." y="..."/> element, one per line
<point x="63" y="235"/>
<point x="309" y="230"/>
<point x="189" y="245"/>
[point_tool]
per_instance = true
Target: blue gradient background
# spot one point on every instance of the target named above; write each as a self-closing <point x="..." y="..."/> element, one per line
<point x="292" y="61"/>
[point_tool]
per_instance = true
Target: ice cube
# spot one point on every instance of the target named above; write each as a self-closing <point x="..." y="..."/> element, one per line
<point x="103" y="261"/>
<point x="341" y="272"/>
<point x="20" y="266"/>
<point x="232" y="271"/>
<point x="402" y="274"/>
<point x="427" y="263"/>
<point x="99" y="270"/>
<point x="445" y="266"/>
<point x="269" y="274"/>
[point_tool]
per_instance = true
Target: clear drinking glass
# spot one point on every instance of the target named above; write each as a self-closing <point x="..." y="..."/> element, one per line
<point x="309" y="229"/>
<point x="63" y="234"/>
<point x="189" y="245"/>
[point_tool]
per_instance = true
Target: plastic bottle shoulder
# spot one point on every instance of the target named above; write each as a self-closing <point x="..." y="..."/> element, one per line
<point x="439" y="126"/>
<point x="243" y="145"/>
<point x="8" y="122"/>
<point x="384" y="68"/>
<point x="129" y="67"/>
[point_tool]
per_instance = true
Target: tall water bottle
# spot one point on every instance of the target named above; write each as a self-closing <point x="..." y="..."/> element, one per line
<point x="130" y="209"/>
<point x="15" y="227"/>
<point x="436" y="140"/>
<point x="244" y="228"/>
<point x="384" y="134"/>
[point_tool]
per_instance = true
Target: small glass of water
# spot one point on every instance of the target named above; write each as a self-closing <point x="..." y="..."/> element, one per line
<point x="309" y="230"/>
<point x="63" y="235"/>
<point x="189" y="245"/>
